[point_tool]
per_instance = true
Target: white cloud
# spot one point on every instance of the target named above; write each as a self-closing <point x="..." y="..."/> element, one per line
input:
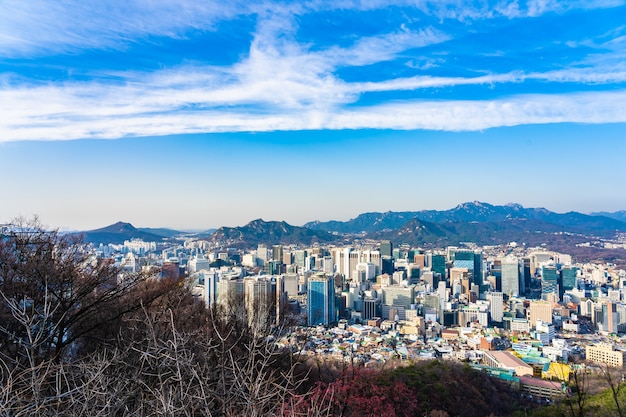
<point x="539" y="7"/>
<point x="43" y="27"/>
<point x="369" y="50"/>
<point x="478" y="115"/>
<point x="46" y="27"/>
<point x="584" y="75"/>
<point x="415" y="83"/>
<point x="280" y="85"/>
<point x="57" y="121"/>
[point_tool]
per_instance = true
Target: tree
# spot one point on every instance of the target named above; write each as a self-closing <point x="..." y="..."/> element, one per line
<point x="578" y="393"/>
<point x="360" y="392"/>
<point x="78" y="337"/>
<point x="612" y="379"/>
<point x="55" y="295"/>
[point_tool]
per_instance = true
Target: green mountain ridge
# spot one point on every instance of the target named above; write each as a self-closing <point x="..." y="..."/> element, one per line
<point x="269" y="232"/>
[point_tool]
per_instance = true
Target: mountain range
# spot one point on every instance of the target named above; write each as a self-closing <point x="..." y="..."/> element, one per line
<point x="474" y="212"/>
<point x="118" y="232"/>
<point x="618" y="215"/>
<point x="269" y="232"/>
<point x="477" y="222"/>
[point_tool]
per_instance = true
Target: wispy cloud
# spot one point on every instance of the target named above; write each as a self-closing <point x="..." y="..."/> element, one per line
<point x="369" y="50"/>
<point x="280" y="83"/>
<point x="42" y="27"/>
<point x="127" y="113"/>
<point x="538" y="7"/>
<point x="473" y="115"/>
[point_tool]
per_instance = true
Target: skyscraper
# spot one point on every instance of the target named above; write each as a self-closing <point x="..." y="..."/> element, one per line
<point x="510" y="277"/>
<point x="473" y="261"/>
<point x="321" y="300"/>
<point x="206" y="286"/>
<point x="568" y="277"/>
<point x="398" y="295"/>
<point x="386" y="248"/>
<point x="439" y="265"/>
<point x="262" y="254"/>
<point x="525" y="276"/>
<point x="549" y="281"/>
<point x="495" y="306"/>
<point x="259" y="299"/>
<point x="299" y="258"/>
<point x="387" y="265"/>
<point x="277" y="253"/>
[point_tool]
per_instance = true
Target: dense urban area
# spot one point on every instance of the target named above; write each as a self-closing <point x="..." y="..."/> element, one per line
<point x="526" y="315"/>
<point x="534" y="319"/>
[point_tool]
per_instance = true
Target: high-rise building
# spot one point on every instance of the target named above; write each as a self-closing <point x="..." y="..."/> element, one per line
<point x="206" y="286"/>
<point x="525" y="276"/>
<point x="230" y="292"/>
<point x="473" y="261"/>
<point x="299" y="258"/>
<point x="368" y="270"/>
<point x="274" y="267"/>
<point x="371" y="308"/>
<point x="387" y="265"/>
<point x="262" y="254"/>
<point x="442" y="291"/>
<point x="510" y="277"/>
<point x="496" y="273"/>
<point x="354" y="259"/>
<point x="432" y="301"/>
<point x="609" y="317"/>
<point x="450" y="253"/>
<point x="373" y="257"/>
<point x="586" y="308"/>
<point x="420" y="260"/>
<point x="539" y="259"/>
<point x="410" y="256"/>
<point x="287" y="258"/>
<point x="277" y="253"/>
<point x="540" y="310"/>
<point x="438" y="264"/>
<point x="328" y="266"/>
<point x="398" y="295"/>
<point x="196" y="264"/>
<point x="386" y="248"/>
<point x="495" y="306"/>
<point x="321" y="300"/>
<point x="259" y="299"/>
<point x="549" y="281"/>
<point x="341" y="259"/>
<point x="568" y="277"/>
<point x="429" y="278"/>
<point x="290" y="284"/>
<point x="458" y="274"/>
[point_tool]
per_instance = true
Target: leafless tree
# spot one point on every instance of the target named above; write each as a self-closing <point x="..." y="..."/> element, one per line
<point x="578" y="392"/>
<point x="55" y="294"/>
<point x="160" y="353"/>
<point x="613" y="379"/>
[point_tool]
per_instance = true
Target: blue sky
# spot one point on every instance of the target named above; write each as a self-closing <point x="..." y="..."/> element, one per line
<point x="193" y="114"/>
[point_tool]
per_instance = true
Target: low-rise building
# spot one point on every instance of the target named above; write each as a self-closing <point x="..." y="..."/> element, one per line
<point x="604" y="353"/>
<point x="506" y="360"/>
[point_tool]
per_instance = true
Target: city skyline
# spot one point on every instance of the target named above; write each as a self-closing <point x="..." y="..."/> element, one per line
<point x="196" y="115"/>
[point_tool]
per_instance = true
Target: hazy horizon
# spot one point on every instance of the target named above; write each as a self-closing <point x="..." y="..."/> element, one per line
<point x="215" y="227"/>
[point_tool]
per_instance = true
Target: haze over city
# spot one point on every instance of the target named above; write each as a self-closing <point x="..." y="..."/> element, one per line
<point x="195" y="114"/>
